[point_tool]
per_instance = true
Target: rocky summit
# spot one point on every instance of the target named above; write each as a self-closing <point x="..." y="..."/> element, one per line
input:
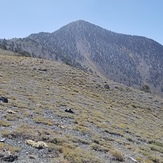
<point x="135" y="61"/>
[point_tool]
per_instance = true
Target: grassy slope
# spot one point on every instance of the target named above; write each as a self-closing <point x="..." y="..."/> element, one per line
<point x="106" y="123"/>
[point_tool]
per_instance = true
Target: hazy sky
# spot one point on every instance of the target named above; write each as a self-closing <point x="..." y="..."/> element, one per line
<point x="20" y="18"/>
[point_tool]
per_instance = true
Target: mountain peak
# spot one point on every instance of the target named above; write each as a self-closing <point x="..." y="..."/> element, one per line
<point x="132" y="60"/>
<point x="80" y="22"/>
<point x="81" y="25"/>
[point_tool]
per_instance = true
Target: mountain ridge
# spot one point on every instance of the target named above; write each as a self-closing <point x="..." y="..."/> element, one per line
<point x="132" y="60"/>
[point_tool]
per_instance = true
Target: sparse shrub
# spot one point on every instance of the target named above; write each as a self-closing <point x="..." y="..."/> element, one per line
<point x="117" y="154"/>
<point x="57" y="140"/>
<point x="10" y="148"/>
<point x="155" y="159"/>
<point x="25" y="131"/>
<point x="79" y="140"/>
<point x="148" y="161"/>
<point x="54" y="147"/>
<point x="5" y="133"/>
<point x="78" y="155"/>
<point x="11" y="117"/>
<point x="83" y="130"/>
<point x="98" y="147"/>
<point x="5" y="123"/>
<point x="156" y="148"/>
<point x="145" y="88"/>
<point x="40" y="119"/>
<point x="157" y="143"/>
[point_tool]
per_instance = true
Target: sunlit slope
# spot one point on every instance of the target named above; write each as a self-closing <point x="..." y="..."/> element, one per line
<point x="110" y="121"/>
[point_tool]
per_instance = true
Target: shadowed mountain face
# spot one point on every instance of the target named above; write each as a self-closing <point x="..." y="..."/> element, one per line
<point x="132" y="60"/>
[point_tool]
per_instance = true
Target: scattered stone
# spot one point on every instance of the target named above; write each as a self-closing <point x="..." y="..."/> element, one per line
<point x="38" y="145"/>
<point x="31" y="156"/>
<point x="116" y="87"/>
<point x="4" y="99"/>
<point x="44" y="69"/>
<point x="69" y="111"/>
<point x="132" y="159"/>
<point x="2" y="139"/>
<point x="7" y="156"/>
<point x="10" y="158"/>
<point x="62" y="126"/>
<point x="11" y="112"/>
<point x="106" y="86"/>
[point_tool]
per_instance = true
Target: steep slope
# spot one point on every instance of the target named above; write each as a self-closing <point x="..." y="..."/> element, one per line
<point x="110" y="123"/>
<point x="132" y="60"/>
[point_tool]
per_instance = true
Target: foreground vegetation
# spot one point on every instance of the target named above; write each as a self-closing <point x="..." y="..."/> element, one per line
<point x="111" y="122"/>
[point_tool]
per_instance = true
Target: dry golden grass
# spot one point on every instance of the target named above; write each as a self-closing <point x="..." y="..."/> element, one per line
<point x="45" y="121"/>
<point x="103" y="119"/>
<point x="77" y="155"/>
<point x="117" y="154"/>
<point x="5" y="123"/>
<point x="12" y="149"/>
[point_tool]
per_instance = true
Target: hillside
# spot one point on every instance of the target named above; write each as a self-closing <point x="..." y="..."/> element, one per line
<point x="132" y="60"/>
<point x="108" y="122"/>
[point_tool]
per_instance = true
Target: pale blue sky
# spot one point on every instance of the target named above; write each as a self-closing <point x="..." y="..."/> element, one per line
<point x="20" y="18"/>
